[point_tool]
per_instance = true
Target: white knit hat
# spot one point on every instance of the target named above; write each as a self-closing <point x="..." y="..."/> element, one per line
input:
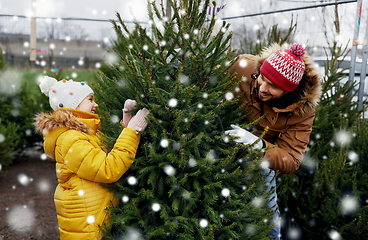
<point x="64" y="94"/>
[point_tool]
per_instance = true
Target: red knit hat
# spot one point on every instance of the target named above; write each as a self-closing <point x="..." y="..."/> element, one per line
<point x="285" y="67"/>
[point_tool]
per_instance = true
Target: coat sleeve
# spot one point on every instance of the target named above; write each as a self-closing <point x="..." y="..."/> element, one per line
<point x="291" y="145"/>
<point x="85" y="158"/>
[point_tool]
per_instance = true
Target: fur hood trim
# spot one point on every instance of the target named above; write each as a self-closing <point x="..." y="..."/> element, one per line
<point x="312" y="92"/>
<point x="46" y="122"/>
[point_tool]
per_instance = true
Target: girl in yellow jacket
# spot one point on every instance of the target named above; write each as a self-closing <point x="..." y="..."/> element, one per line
<point x="70" y="137"/>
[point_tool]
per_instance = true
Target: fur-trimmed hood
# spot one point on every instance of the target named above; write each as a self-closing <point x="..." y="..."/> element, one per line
<point x="311" y="92"/>
<point x="52" y="125"/>
<point x="47" y="122"/>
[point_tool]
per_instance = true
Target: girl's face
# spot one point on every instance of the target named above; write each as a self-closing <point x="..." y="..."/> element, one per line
<point x="267" y="90"/>
<point x="88" y="104"/>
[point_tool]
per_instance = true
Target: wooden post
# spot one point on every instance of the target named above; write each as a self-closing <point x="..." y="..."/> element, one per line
<point x="168" y="10"/>
<point x="33" y="36"/>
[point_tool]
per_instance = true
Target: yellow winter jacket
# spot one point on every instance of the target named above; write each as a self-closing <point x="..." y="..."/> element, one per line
<point x="81" y="166"/>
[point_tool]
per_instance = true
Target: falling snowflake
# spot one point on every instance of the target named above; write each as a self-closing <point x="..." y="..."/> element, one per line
<point x="176" y="146"/>
<point x="43" y="185"/>
<point x="21" y="218"/>
<point x="164" y="143"/>
<point x="28" y="132"/>
<point x="257" y="202"/>
<point x="10" y="82"/>
<point x="205" y="95"/>
<point x="90" y="219"/>
<point x="184" y="79"/>
<point x="169" y="170"/>
<point x="211" y="155"/>
<point x="23" y="179"/>
<point x="293" y="233"/>
<point x="312" y="223"/>
<point x="132" y="180"/>
<point x="192" y="162"/>
<point x="111" y="58"/>
<point x="156" y="207"/>
<point x="200" y="105"/>
<point x="213" y="80"/>
<point x="121" y="83"/>
<point x="334" y="235"/>
<point x="173" y="102"/>
<point x="203" y="223"/>
<point x="115" y="118"/>
<point x="2" y="138"/>
<point x="243" y="63"/>
<point x="43" y="156"/>
<point x="225" y="192"/>
<point x="265" y="164"/>
<point x="80" y="192"/>
<point x="186" y="195"/>
<point x="349" y="205"/>
<point x="318" y="136"/>
<point x="229" y="96"/>
<point x="132" y="234"/>
<point x="343" y="137"/>
<point x="353" y="156"/>
<point x="125" y="198"/>
<point x="250" y="229"/>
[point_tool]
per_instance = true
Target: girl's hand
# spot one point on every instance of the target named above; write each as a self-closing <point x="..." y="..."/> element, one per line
<point x="139" y="122"/>
<point x="128" y="105"/>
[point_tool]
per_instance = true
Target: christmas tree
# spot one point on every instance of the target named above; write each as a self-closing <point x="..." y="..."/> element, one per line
<point x="189" y="180"/>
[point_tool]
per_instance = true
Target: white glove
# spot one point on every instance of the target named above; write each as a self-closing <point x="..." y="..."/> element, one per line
<point x="128" y="105"/>
<point x="243" y="136"/>
<point x="139" y="122"/>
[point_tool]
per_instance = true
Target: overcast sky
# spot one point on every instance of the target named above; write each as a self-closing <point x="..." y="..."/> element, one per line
<point x="96" y="9"/>
<point x="129" y="9"/>
<point x="105" y="9"/>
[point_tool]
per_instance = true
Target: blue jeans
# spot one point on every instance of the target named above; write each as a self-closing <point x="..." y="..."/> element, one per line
<point x="276" y="231"/>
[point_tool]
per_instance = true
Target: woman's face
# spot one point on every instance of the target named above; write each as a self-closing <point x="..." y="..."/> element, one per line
<point x="267" y="90"/>
<point x="88" y="104"/>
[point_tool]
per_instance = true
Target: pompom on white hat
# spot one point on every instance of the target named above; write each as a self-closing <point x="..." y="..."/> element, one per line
<point x="64" y="94"/>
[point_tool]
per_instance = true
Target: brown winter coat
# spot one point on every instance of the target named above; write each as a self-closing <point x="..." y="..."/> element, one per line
<point x="81" y="166"/>
<point x="289" y="125"/>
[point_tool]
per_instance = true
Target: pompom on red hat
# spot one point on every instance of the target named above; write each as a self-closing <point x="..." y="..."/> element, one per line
<point x="285" y="67"/>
